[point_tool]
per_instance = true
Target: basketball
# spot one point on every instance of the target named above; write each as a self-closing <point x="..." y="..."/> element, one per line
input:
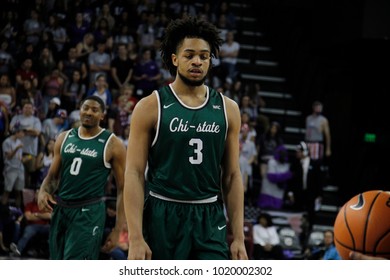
<point x="363" y="225"/>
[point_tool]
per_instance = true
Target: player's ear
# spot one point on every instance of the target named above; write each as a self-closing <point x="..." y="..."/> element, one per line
<point x="174" y="59"/>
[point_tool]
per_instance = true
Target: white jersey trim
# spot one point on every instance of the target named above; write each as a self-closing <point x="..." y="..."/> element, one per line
<point x="200" y="201"/>
<point x="158" y="117"/>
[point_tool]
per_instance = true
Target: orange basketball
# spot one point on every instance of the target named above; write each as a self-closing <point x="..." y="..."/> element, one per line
<point x="363" y="225"/>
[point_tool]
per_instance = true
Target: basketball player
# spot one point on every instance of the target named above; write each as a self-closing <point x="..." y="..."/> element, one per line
<point x="83" y="160"/>
<point x="188" y="136"/>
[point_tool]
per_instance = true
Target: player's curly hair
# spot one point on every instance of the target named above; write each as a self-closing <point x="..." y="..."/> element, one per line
<point x="189" y="27"/>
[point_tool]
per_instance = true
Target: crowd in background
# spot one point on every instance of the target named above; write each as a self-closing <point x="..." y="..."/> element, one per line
<point x="53" y="53"/>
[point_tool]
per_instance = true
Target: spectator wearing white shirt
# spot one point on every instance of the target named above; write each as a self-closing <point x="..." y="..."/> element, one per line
<point x="229" y="53"/>
<point x="266" y="240"/>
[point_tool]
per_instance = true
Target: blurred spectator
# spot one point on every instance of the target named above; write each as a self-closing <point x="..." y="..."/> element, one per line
<point x="54" y="105"/>
<point x="32" y="127"/>
<point x="147" y="32"/>
<point x="206" y="12"/>
<point x="13" y="171"/>
<point x="47" y="41"/>
<point x="266" y="240"/>
<point x="74" y="92"/>
<point x="119" y="117"/>
<point x="305" y="183"/>
<point x="99" y="63"/>
<point x="45" y="64"/>
<point x="262" y="121"/>
<point x="52" y="127"/>
<point x="10" y="219"/>
<point x="274" y="184"/>
<point x="37" y="224"/>
<point x="77" y="29"/>
<point x="27" y="50"/>
<point x="121" y="70"/>
<point x="245" y="119"/>
<point x="33" y="27"/>
<point x="60" y="36"/>
<point x="85" y="47"/>
<point x="230" y="17"/>
<point x="26" y="72"/>
<point x="182" y="8"/>
<point x="7" y="62"/>
<point x="229" y="52"/>
<point x="123" y="36"/>
<point x="318" y="139"/>
<point x="70" y="64"/>
<point x="146" y="74"/>
<point x="101" y="89"/>
<point x="247" y="157"/>
<point x="234" y="91"/>
<point x="106" y="14"/>
<point x="44" y="160"/>
<point x="246" y="105"/>
<point x="268" y="142"/>
<point x="4" y="123"/>
<point x="132" y="49"/>
<point x="52" y="86"/>
<point x="317" y="135"/>
<point x="7" y="93"/>
<point x="324" y="251"/>
<point x="101" y="32"/>
<point x="9" y="30"/>
<point x="29" y="94"/>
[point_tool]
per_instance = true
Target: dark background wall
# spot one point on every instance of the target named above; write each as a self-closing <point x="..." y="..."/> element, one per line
<point x="337" y="51"/>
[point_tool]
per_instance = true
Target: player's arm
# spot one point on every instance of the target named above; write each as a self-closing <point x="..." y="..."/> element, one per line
<point x="360" y="256"/>
<point x="143" y="121"/>
<point x="233" y="189"/>
<point x="117" y="156"/>
<point x="50" y="183"/>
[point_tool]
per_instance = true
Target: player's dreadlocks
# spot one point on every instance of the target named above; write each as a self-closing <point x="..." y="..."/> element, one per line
<point x="188" y="27"/>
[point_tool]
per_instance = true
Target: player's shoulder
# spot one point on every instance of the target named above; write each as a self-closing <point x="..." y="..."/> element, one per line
<point x="231" y="105"/>
<point x="147" y="103"/>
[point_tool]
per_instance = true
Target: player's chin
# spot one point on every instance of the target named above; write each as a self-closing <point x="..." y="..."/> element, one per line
<point x="86" y="124"/>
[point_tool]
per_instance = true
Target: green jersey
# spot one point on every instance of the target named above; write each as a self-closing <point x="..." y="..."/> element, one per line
<point x="185" y="158"/>
<point x="84" y="168"/>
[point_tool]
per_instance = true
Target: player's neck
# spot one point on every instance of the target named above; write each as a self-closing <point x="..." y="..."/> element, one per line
<point x="89" y="131"/>
<point x="182" y="89"/>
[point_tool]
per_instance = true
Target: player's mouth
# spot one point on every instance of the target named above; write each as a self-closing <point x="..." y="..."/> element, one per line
<point x="196" y="72"/>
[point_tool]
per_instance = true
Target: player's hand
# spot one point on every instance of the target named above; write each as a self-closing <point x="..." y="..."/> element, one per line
<point x="139" y="250"/>
<point x="238" y="250"/>
<point x="45" y="200"/>
<point x="111" y="241"/>
<point x="360" y="256"/>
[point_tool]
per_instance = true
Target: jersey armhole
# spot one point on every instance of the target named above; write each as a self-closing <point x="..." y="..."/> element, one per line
<point x="156" y="92"/>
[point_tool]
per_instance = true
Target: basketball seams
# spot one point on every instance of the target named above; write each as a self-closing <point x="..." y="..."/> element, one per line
<point x="349" y="229"/>
<point x="368" y="219"/>
<point x="375" y="253"/>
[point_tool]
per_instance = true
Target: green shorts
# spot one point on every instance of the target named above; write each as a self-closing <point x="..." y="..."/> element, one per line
<point x="76" y="233"/>
<point x="182" y="231"/>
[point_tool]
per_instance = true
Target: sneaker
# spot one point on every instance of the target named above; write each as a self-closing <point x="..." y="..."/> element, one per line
<point x="14" y="249"/>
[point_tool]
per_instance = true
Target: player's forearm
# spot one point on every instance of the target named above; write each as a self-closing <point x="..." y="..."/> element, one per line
<point x="120" y="217"/>
<point x="49" y="185"/>
<point x="134" y="205"/>
<point x="234" y="200"/>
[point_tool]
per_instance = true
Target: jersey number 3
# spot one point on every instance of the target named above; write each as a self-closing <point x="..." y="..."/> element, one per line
<point x="197" y="158"/>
